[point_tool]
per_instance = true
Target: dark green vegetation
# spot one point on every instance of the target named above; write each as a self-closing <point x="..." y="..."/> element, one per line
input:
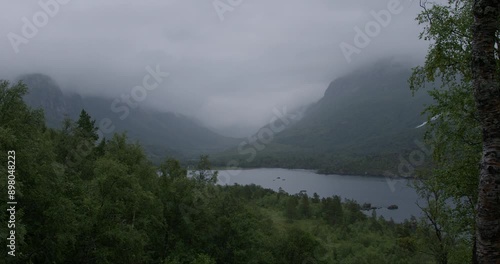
<point x="363" y="124"/>
<point x="161" y="133"/>
<point x="463" y="55"/>
<point x="85" y="201"/>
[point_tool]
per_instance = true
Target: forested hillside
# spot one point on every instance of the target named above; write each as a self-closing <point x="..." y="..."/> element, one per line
<point x="81" y="200"/>
<point x="363" y="123"/>
<point x="90" y="179"/>
<point x="161" y="133"/>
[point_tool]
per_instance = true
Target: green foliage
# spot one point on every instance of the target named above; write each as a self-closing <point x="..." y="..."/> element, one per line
<point x="455" y="135"/>
<point x="203" y="171"/>
<point x="182" y="137"/>
<point x="86" y="126"/>
<point x="297" y="247"/>
<point x="203" y="259"/>
<point x="106" y="203"/>
<point x="332" y="210"/>
<point x="304" y="208"/>
<point x="291" y="207"/>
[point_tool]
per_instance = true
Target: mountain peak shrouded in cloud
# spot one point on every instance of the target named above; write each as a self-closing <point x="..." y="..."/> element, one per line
<point x="161" y="133"/>
<point x="228" y="73"/>
<point x="364" y="122"/>
<point x="46" y="94"/>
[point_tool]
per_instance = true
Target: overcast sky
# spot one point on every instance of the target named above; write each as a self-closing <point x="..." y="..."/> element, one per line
<point x="228" y="68"/>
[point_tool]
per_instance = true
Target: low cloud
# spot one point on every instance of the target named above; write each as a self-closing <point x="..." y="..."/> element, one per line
<point x="229" y="73"/>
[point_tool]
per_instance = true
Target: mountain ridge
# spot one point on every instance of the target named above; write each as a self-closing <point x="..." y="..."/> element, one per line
<point x="364" y="122"/>
<point x="161" y="133"/>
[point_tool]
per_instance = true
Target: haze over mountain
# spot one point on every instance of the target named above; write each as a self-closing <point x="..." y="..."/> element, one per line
<point x="238" y="131"/>
<point x="161" y="133"/>
<point x="228" y="73"/>
<point x="364" y="122"/>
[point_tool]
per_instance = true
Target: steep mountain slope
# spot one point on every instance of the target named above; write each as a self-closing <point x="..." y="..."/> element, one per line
<point x="44" y="93"/>
<point x="161" y="133"/>
<point x="156" y="128"/>
<point x="364" y="122"/>
<point x="363" y="112"/>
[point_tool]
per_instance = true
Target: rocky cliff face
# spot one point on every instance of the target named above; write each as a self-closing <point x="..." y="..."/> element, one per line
<point x="44" y="93"/>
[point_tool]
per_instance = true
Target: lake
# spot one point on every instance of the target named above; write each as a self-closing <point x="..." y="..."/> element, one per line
<point x="379" y="191"/>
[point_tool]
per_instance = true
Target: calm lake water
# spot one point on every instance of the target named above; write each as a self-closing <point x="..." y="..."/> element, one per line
<point x="378" y="191"/>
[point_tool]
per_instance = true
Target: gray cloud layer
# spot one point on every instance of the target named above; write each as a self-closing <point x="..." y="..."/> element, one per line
<point x="230" y="74"/>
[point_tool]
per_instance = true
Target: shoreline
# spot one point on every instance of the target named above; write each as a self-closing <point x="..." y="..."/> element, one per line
<point x="318" y="171"/>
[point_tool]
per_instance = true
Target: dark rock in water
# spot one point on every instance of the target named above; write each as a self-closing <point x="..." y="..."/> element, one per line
<point x="366" y="206"/>
<point x="392" y="207"/>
